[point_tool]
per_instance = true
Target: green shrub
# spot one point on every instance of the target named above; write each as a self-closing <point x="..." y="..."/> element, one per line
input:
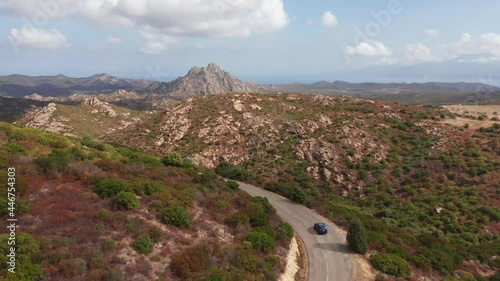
<point x="205" y="177"/>
<point x="236" y="219"/>
<point x="174" y="159"/>
<point x="128" y="200"/>
<point x="110" y="187"/>
<point x="259" y="218"/>
<point x="144" y="244"/>
<point x="267" y="230"/>
<point x="233" y="172"/>
<point x="92" y="143"/>
<point x="357" y="238"/>
<point x="14" y="148"/>
<point x="109" y="244"/>
<point x="177" y="215"/>
<point x="221" y="205"/>
<point x="299" y="196"/>
<point x="145" y="158"/>
<point x="264" y="202"/>
<point x="232" y="185"/>
<point x="284" y="231"/>
<point x="114" y="274"/>
<point x="216" y="274"/>
<point x="58" y="160"/>
<point x="391" y="264"/>
<point x="27" y="249"/>
<point x="261" y="241"/>
<point x="153" y="187"/>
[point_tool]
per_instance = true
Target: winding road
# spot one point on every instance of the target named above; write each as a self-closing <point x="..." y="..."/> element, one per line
<point x="328" y="254"/>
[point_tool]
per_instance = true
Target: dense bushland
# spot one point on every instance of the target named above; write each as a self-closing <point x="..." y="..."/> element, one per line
<point x="91" y="202"/>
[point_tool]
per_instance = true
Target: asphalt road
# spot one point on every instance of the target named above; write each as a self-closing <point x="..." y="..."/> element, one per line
<point x="328" y="254"/>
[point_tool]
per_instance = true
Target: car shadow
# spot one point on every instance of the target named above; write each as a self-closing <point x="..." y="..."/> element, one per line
<point x="334" y="247"/>
<point x="311" y="230"/>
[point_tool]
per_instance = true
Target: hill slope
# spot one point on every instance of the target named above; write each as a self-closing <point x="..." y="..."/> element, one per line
<point x="399" y="168"/>
<point x="92" y="117"/>
<point x="87" y="210"/>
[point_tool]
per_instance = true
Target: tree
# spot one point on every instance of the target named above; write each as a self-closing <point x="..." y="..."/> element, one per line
<point x="177" y="215"/>
<point x="128" y="200"/>
<point x="357" y="238"/>
<point x="144" y="244"/>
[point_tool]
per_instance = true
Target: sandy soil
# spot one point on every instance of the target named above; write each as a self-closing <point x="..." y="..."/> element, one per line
<point x="473" y="110"/>
<point x="291" y="262"/>
<point x="362" y="269"/>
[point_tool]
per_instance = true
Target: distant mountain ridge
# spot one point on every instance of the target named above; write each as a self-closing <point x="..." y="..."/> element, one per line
<point x="385" y="88"/>
<point x="18" y="86"/>
<point x="213" y="80"/>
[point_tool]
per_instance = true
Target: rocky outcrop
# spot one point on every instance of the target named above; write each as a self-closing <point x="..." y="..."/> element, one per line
<point x="43" y="118"/>
<point x="97" y="106"/>
<point x="37" y="97"/>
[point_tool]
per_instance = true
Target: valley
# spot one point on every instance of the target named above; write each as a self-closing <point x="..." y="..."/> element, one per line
<point x="421" y="179"/>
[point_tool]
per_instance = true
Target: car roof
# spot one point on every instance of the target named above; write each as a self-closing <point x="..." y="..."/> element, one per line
<point x="321" y="223"/>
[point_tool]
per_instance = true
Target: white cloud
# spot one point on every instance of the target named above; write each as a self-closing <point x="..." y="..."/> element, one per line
<point x="168" y="19"/>
<point x="369" y="48"/>
<point x="487" y="45"/>
<point x="156" y="43"/>
<point x="37" y="38"/>
<point x="418" y="53"/>
<point x="432" y="32"/>
<point x="329" y="19"/>
<point x="114" y="40"/>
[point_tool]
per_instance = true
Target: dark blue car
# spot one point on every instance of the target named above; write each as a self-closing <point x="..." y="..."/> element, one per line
<point x="320" y="228"/>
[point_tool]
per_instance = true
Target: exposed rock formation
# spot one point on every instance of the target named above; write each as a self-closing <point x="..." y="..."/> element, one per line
<point x="201" y="81"/>
<point x="42" y="118"/>
<point x="98" y="106"/>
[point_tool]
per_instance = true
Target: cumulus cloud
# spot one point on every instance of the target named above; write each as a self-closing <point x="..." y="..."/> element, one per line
<point x="114" y="40"/>
<point x="369" y="48"/>
<point x="168" y="19"/>
<point x="418" y="53"/>
<point x="37" y="38"/>
<point x="487" y="44"/>
<point x="329" y="19"/>
<point x="432" y="32"/>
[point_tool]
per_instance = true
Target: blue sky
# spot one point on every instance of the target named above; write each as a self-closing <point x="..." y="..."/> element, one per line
<point x="269" y="41"/>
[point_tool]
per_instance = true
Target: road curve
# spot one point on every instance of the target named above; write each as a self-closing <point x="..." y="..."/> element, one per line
<point x="328" y="254"/>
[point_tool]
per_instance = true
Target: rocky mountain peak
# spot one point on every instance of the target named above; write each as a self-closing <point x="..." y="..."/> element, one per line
<point x="199" y="81"/>
<point x="210" y="69"/>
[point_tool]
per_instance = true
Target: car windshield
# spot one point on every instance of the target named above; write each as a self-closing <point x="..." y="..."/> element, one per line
<point x="322" y="225"/>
